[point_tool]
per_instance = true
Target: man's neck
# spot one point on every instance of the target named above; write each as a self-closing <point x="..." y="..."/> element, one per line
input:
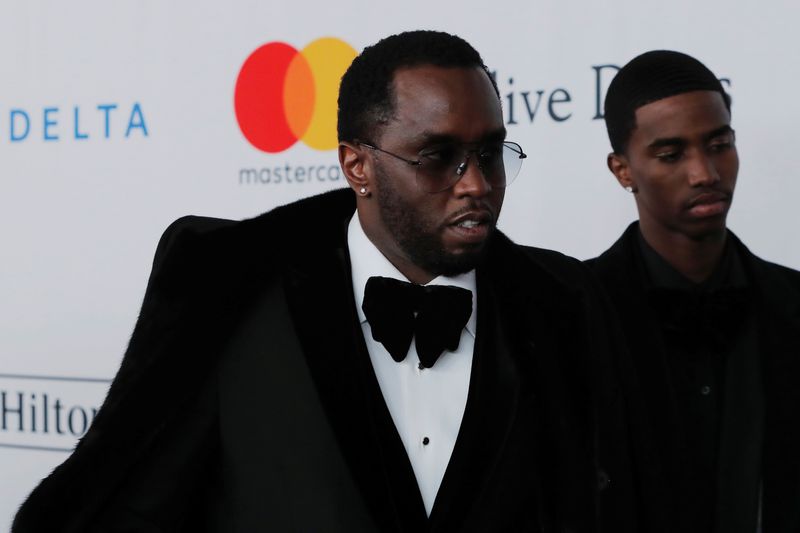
<point x="695" y="258"/>
<point x="376" y="232"/>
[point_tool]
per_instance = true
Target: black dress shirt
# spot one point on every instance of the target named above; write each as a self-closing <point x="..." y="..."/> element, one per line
<point x="710" y="340"/>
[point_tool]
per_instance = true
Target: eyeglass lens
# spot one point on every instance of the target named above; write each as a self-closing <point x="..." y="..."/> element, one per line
<point x="441" y="167"/>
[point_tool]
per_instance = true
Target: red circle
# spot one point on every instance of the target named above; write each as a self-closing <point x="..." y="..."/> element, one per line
<point x="258" y="98"/>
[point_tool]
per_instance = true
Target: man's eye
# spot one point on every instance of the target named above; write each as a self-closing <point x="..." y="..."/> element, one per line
<point x="439" y="155"/>
<point x="668" y="157"/>
<point x="491" y="153"/>
<point x="721" y="146"/>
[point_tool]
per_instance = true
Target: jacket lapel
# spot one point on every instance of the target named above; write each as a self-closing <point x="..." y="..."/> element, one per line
<point x="619" y="268"/>
<point x="320" y="296"/>
<point x="658" y="443"/>
<point x="558" y="397"/>
<point x="488" y="418"/>
<point x="523" y="415"/>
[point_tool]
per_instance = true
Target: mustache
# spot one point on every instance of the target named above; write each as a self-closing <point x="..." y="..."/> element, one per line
<point x="477" y="210"/>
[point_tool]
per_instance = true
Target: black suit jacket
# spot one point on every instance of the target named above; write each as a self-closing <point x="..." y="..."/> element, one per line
<point x="246" y="402"/>
<point x="777" y="309"/>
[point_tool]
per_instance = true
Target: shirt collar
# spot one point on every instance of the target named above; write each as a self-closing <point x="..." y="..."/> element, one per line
<point x="367" y="261"/>
<point x="728" y="274"/>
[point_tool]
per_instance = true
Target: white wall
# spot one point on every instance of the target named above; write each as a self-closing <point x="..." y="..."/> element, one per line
<point x="80" y="217"/>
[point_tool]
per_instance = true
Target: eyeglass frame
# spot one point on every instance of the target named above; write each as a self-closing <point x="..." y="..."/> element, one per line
<point x="460" y="169"/>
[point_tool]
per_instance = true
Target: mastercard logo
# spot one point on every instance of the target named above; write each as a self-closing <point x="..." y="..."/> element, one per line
<point x="284" y="95"/>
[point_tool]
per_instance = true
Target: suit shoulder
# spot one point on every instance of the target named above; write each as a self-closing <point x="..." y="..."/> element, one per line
<point x="779" y="273"/>
<point x="303" y="213"/>
<point x="198" y="224"/>
<point x="187" y="225"/>
<point x="299" y="212"/>
<point x="549" y="256"/>
<point x="561" y="266"/>
<point x="782" y="270"/>
<point x="284" y="227"/>
<point x="780" y="278"/>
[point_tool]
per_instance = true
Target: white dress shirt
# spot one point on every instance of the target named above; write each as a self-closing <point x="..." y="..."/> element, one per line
<point x="426" y="405"/>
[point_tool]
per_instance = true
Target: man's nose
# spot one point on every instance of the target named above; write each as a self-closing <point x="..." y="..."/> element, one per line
<point x="702" y="171"/>
<point x="471" y="182"/>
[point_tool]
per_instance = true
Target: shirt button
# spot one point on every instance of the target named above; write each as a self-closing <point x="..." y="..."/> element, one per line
<point x="705" y="390"/>
<point x="425" y="441"/>
<point x="603" y="481"/>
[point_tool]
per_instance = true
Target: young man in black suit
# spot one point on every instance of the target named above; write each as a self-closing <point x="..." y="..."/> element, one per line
<point x="713" y="330"/>
<point x="378" y="358"/>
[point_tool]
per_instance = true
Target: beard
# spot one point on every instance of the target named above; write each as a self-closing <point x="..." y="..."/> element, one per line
<point x="419" y="237"/>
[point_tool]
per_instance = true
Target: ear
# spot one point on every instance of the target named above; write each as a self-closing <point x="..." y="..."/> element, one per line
<point x="618" y="165"/>
<point x="353" y="162"/>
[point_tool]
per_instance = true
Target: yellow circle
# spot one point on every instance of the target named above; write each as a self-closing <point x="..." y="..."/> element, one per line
<point x="328" y="58"/>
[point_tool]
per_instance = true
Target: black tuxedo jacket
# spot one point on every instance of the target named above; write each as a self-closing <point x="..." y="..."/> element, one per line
<point x="246" y="401"/>
<point x="776" y="305"/>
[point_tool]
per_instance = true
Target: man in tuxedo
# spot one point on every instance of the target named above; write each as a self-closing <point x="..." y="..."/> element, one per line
<point x="713" y="330"/>
<point x="378" y="358"/>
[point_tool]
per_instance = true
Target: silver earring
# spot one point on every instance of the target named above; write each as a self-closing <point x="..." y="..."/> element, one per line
<point x="363" y="191"/>
<point x="629" y="188"/>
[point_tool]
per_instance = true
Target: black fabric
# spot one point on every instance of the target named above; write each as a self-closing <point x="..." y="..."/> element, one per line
<point x="700" y="327"/>
<point x="299" y="446"/>
<point x="264" y="308"/>
<point x="741" y="434"/>
<point x="433" y="315"/>
<point x="698" y="317"/>
<point x="762" y="363"/>
<point x="701" y="318"/>
<point x="333" y="346"/>
<point x="499" y="424"/>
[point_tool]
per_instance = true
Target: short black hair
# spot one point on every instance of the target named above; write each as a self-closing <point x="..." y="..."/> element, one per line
<point x="366" y="96"/>
<point x="650" y="77"/>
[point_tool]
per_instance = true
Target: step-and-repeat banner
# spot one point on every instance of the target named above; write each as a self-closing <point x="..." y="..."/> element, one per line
<point x="118" y="117"/>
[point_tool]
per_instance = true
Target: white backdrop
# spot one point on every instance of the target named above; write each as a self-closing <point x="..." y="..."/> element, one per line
<point x="118" y="117"/>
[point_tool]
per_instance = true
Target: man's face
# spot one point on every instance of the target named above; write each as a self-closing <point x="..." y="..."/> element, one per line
<point x="682" y="164"/>
<point x="444" y="233"/>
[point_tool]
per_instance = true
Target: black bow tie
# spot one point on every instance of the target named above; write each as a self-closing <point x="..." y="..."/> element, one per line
<point x="435" y="314"/>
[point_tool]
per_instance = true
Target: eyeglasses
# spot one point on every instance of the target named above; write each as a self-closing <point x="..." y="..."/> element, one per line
<point x="440" y="167"/>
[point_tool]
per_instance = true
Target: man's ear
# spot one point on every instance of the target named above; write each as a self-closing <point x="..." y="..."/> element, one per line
<point x="353" y="162"/>
<point x="618" y="165"/>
